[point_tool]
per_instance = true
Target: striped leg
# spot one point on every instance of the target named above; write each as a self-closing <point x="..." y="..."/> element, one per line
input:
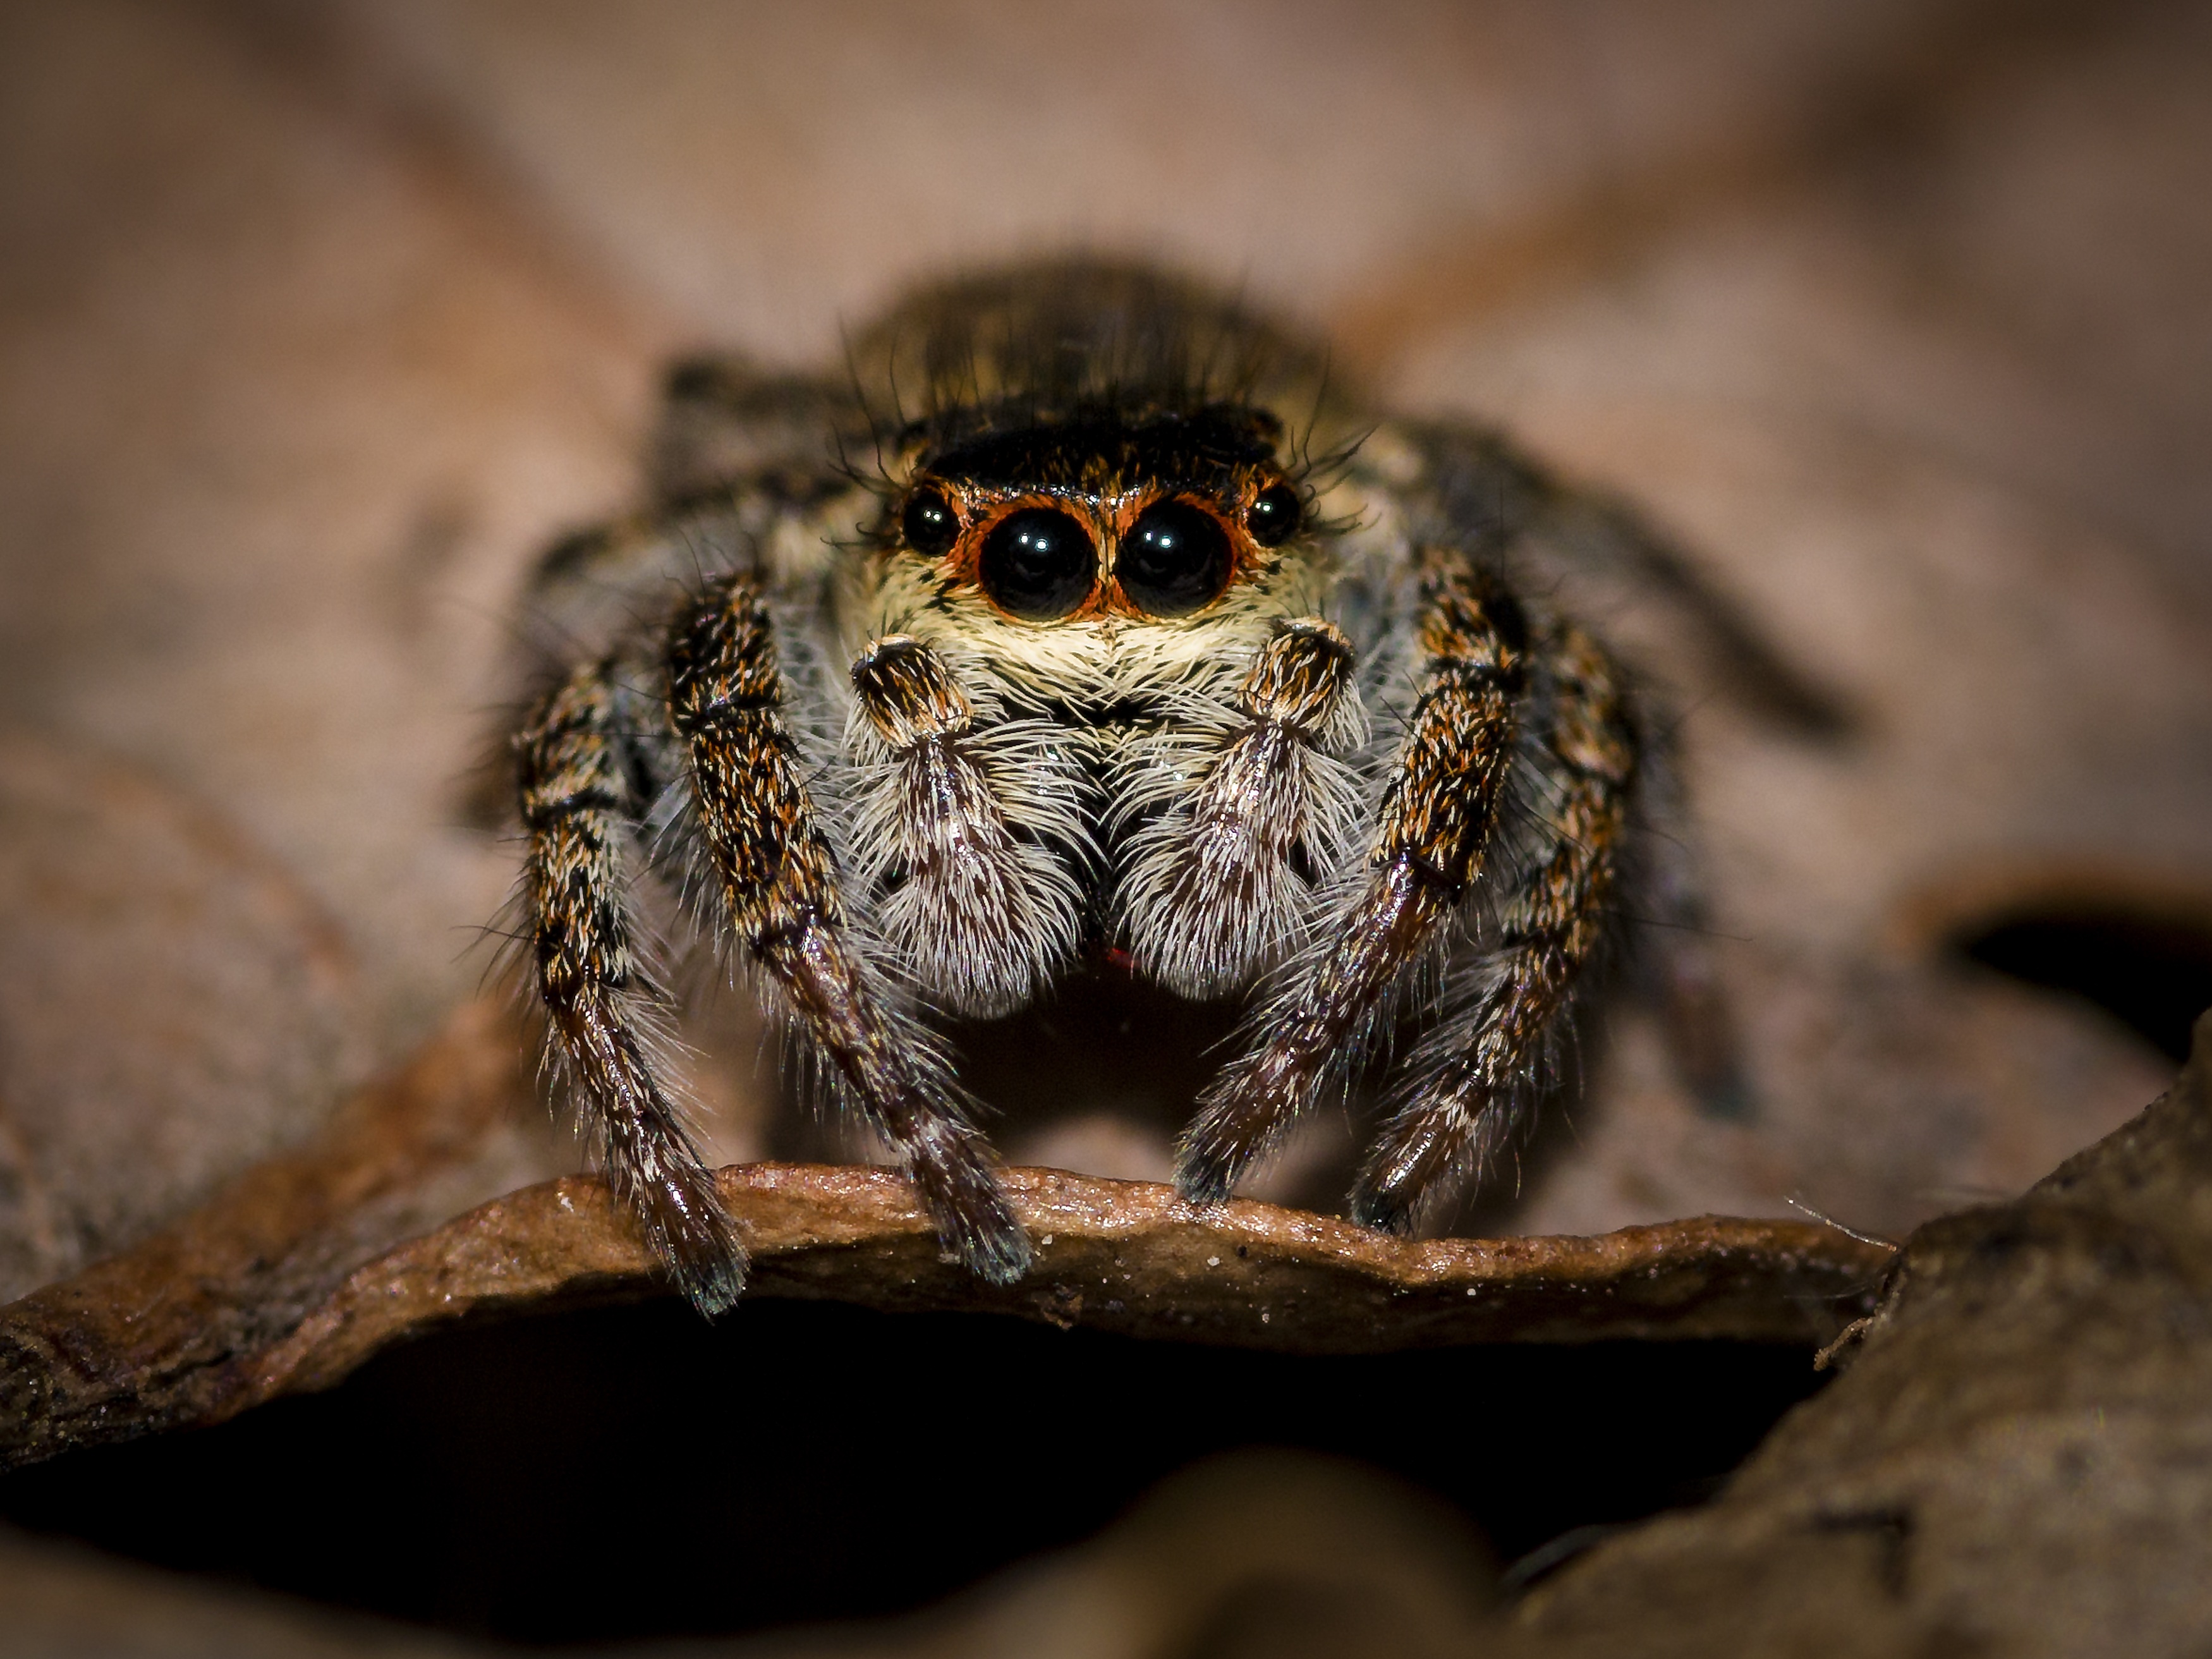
<point x="1469" y="1083"/>
<point x="1434" y="827"/>
<point x="578" y="812"/>
<point x="779" y="891"/>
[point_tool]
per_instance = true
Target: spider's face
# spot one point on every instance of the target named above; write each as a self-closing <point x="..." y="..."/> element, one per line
<point x="1101" y="516"/>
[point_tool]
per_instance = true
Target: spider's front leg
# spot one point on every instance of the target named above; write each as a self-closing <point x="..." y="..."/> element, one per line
<point x="780" y="894"/>
<point x="1221" y="882"/>
<point x="575" y="759"/>
<point x="1472" y="1079"/>
<point x="1432" y="830"/>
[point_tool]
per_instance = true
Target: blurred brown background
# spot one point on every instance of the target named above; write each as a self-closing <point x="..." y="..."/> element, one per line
<point x="318" y="321"/>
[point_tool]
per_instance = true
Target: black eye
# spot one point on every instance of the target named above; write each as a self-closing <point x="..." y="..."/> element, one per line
<point x="1274" y="516"/>
<point x="929" y="524"/>
<point x="1174" y="560"/>
<point x="1038" y="564"/>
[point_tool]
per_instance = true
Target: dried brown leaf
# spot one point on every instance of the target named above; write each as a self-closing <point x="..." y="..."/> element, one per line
<point x="304" y="1268"/>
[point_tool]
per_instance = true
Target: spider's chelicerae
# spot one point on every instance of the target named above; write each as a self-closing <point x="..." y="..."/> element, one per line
<point x="1079" y="618"/>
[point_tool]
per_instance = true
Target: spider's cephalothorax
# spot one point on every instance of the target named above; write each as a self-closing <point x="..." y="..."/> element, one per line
<point x="1081" y="618"/>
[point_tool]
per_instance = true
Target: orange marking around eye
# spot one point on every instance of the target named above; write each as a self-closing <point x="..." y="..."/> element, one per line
<point x="1106" y="517"/>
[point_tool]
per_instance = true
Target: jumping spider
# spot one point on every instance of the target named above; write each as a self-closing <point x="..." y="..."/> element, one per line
<point x="1084" y="619"/>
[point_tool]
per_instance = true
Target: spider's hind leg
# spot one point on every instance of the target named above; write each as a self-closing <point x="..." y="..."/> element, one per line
<point x="576" y="772"/>
<point x="1470" y="1084"/>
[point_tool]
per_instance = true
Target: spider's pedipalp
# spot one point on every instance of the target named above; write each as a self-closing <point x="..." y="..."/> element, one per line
<point x="955" y="821"/>
<point x="1471" y="1081"/>
<point x="578" y="809"/>
<point x="1433" y="829"/>
<point x="1225" y="878"/>
<point x="780" y="895"/>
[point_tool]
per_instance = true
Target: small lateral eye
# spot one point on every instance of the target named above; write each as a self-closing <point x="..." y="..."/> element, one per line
<point x="1274" y="517"/>
<point x="929" y="524"/>
<point x="1174" y="560"/>
<point x="1038" y="564"/>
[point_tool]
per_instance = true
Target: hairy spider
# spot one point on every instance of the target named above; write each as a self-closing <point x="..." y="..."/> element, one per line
<point x="1083" y="617"/>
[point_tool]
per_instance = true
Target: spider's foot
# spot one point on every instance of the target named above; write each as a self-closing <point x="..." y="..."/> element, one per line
<point x="1001" y="1255"/>
<point x="1236" y="1121"/>
<point x="959" y="1186"/>
<point x="1207" y="1164"/>
<point x="1386" y="1210"/>
<point x="695" y="1239"/>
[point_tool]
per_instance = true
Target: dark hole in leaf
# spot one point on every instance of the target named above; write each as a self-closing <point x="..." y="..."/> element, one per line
<point x="632" y="1472"/>
<point x="2153" y="973"/>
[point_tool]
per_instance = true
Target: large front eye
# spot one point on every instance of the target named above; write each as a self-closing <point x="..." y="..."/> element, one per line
<point x="1038" y="564"/>
<point x="929" y="524"/>
<point x="1174" y="560"/>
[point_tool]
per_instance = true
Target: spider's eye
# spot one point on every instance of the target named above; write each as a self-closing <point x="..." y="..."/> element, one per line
<point x="929" y="524"/>
<point x="1038" y="564"/>
<point x="1274" y="516"/>
<point x="1175" y="559"/>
